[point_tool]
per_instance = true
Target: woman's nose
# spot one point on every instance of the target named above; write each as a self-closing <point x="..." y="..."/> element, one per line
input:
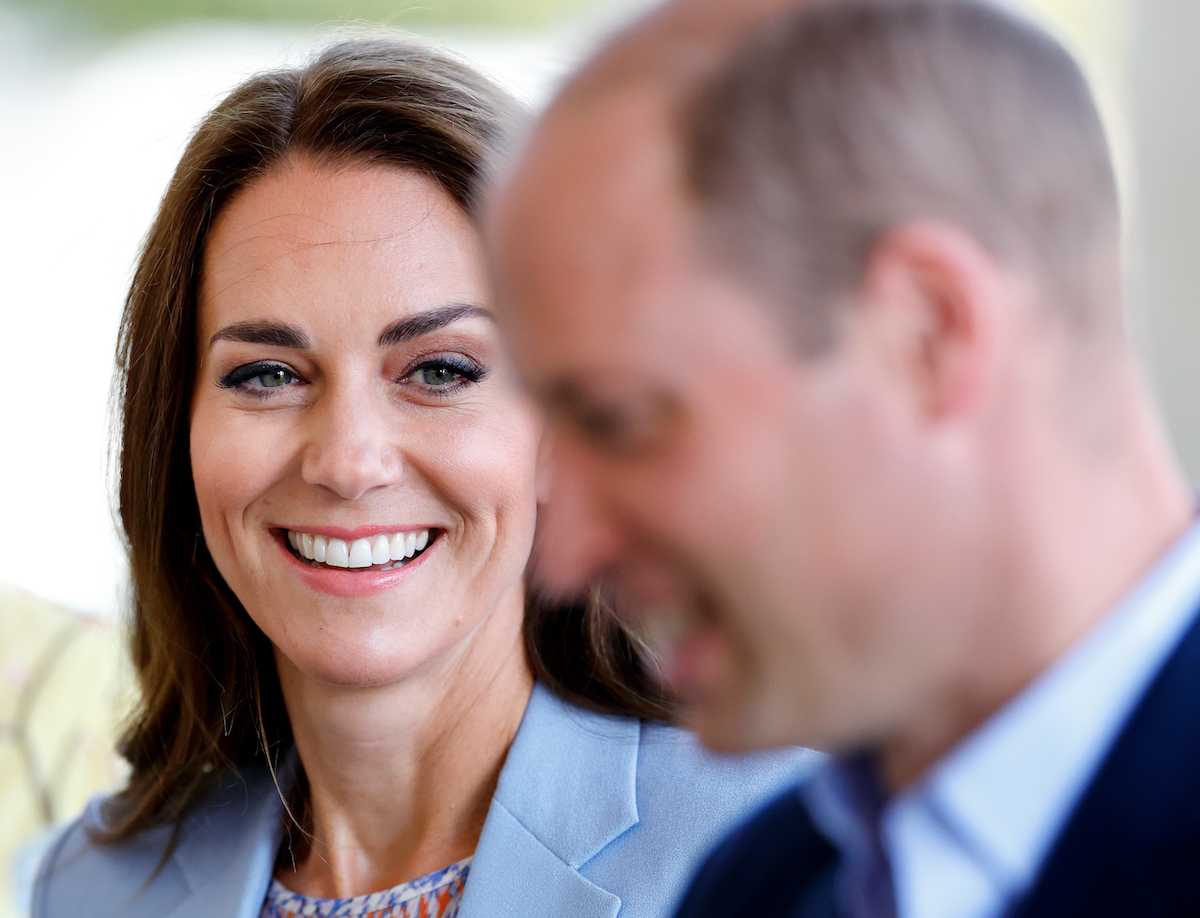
<point x="352" y="447"/>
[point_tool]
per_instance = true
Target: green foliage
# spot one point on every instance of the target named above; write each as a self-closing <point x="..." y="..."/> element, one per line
<point x="130" y="15"/>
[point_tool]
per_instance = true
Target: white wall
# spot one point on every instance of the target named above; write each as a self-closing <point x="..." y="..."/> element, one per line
<point x="1165" y="81"/>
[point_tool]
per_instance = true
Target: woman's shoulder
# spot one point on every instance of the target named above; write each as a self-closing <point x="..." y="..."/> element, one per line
<point x="602" y="812"/>
<point x="79" y="874"/>
<point x="667" y="764"/>
<point x="219" y="849"/>
<point x="689" y="799"/>
<point x="674" y="768"/>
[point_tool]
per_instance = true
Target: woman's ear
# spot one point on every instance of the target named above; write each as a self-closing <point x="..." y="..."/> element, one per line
<point x="931" y="309"/>
<point x="544" y="469"/>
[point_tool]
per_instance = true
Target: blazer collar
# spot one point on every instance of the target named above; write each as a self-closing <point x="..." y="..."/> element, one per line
<point x="568" y="788"/>
<point x="565" y="760"/>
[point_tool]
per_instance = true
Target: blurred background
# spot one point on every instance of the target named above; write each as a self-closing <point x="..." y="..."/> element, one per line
<point x="97" y="98"/>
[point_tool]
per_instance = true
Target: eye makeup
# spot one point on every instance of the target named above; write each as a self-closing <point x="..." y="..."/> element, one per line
<point x="270" y="374"/>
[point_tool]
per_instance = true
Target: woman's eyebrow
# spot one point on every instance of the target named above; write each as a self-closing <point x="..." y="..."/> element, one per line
<point x="425" y="322"/>
<point x="273" y="333"/>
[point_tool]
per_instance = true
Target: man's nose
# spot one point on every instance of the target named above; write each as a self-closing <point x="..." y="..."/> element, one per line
<point x="579" y="536"/>
<point x="352" y="446"/>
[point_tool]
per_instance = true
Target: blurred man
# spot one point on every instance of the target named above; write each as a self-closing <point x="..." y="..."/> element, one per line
<point x="830" y="336"/>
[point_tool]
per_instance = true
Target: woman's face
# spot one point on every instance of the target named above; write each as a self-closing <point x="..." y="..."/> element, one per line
<point x="364" y="462"/>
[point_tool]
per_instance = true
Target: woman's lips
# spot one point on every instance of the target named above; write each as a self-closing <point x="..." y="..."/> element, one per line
<point x="384" y="550"/>
<point x="362" y="579"/>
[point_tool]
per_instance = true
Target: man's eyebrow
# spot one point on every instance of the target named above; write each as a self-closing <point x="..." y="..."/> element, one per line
<point x="429" y="321"/>
<point x="273" y="333"/>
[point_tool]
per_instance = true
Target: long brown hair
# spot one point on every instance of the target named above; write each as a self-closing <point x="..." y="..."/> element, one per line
<point x="210" y="696"/>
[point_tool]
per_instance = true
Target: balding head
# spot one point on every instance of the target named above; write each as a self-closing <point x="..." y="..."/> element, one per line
<point x="610" y="136"/>
<point x="605" y="160"/>
<point x="801" y="131"/>
<point x="673" y="46"/>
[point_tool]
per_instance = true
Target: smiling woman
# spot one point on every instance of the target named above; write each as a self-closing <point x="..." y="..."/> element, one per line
<point x="352" y="699"/>
<point x="337" y="349"/>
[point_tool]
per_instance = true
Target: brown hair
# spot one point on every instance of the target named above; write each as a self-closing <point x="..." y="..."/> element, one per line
<point x="852" y="117"/>
<point x="210" y="693"/>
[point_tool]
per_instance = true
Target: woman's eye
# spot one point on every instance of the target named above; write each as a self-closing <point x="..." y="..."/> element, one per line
<point x="437" y="375"/>
<point x="277" y="376"/>
<point x="446" y="375"/>
<point x="258" y="376"/>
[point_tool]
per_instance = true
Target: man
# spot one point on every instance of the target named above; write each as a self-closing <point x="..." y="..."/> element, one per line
<point x="830" y="336"/>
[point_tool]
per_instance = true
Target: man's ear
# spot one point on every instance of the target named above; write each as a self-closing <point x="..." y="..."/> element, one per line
<point x="931" y="308"/>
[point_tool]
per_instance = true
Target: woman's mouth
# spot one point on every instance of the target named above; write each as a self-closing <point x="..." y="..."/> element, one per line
<point x="382" y="552"/>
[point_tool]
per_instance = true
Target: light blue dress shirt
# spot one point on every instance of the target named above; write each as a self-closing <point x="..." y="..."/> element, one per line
<point x="968" y="839"/>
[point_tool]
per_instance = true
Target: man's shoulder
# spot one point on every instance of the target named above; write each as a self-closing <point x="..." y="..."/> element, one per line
<point x="1132" y="843"/>
<point x="767" y="866"/>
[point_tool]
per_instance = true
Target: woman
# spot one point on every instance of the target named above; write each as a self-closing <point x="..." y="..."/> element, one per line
<point x="329" y="483"/>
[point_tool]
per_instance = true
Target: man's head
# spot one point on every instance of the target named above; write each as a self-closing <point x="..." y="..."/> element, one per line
<point x="803" y="321"/>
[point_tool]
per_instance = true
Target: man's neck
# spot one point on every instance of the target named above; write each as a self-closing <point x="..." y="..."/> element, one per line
<point x="1084" y="537"/>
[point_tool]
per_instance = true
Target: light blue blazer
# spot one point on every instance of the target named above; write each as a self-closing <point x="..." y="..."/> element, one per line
<point x="593" y="817"/>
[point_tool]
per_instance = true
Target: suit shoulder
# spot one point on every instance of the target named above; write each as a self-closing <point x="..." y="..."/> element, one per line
<point x="763" y="866"/>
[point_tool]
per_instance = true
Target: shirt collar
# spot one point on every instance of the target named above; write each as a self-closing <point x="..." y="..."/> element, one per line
<point x="971" y="834"/>
<point x="1006" y="791"/>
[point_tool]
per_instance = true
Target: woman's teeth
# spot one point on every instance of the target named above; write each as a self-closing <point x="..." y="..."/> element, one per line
<point x="384" y="548"/>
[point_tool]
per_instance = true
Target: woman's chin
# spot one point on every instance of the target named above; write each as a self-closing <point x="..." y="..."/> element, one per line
<point x="348" y="666"/>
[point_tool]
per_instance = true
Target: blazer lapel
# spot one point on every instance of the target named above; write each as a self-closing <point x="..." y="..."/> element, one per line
<point x="567" y="789"/>
<point x="513" y="874"/>
<point x="1132" y="845"/>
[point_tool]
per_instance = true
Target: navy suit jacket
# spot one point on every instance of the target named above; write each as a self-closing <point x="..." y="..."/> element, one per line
<point x="1130" y="848"/>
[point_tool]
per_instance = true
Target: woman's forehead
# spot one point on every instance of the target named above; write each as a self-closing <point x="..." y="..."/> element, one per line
<point x="338" y="245"/>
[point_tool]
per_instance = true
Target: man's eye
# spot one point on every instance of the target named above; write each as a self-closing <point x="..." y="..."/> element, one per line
<point x="604" y="424"/>
<point x="620" y="429"/>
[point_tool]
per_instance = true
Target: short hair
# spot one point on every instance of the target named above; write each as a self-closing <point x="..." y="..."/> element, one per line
<point x="852" y="117"/>
<point x="210" y="696"/>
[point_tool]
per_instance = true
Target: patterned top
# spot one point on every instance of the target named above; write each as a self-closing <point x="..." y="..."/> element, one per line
<point x="435" y="895"/>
